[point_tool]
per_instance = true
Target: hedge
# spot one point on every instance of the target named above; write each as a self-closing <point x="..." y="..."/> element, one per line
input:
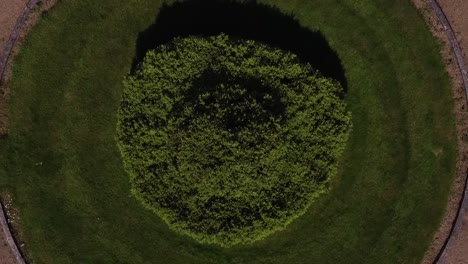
<point x="229" y="140"/>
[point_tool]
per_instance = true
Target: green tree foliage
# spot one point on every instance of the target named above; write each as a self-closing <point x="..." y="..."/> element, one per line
<point x="229" y="140"/>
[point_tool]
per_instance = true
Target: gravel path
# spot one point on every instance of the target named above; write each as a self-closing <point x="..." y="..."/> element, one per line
<point x="10" y="11"/>
<point x="457" y="14"/>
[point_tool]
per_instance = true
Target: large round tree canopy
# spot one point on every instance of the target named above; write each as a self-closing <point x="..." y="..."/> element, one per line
<point x="229" y="140"/>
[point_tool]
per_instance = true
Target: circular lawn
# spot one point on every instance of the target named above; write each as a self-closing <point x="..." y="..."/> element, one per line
<point x="62" y="165"/>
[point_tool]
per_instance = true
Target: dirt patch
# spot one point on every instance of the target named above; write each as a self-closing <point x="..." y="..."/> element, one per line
<point x="11" y="10"/>
<point x="454" y="10"/>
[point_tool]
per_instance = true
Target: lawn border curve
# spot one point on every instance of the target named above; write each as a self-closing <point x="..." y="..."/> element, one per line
<point x="20" y="22"/>
<point x="462" y="206"/>
<point x="8" y="236"/>
<point x="453" y="42"/>
<point x="5" y="56"/>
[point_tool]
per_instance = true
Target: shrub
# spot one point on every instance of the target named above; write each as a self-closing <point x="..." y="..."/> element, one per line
<point x="229" y="140"/>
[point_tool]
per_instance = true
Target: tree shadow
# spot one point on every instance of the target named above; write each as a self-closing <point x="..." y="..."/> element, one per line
<point x="244" y="101"/>
<point x="241" y="19"/>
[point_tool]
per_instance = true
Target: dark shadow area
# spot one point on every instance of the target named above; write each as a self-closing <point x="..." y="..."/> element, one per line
<point x="241" y="19"/>
<point x="244" y="101"/>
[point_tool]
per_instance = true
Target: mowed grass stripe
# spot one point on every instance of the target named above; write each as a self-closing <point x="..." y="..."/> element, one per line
<point x="76" y="207"/>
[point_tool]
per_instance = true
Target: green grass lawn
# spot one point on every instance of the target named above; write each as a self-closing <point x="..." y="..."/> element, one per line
<point x="76" y="207"/>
